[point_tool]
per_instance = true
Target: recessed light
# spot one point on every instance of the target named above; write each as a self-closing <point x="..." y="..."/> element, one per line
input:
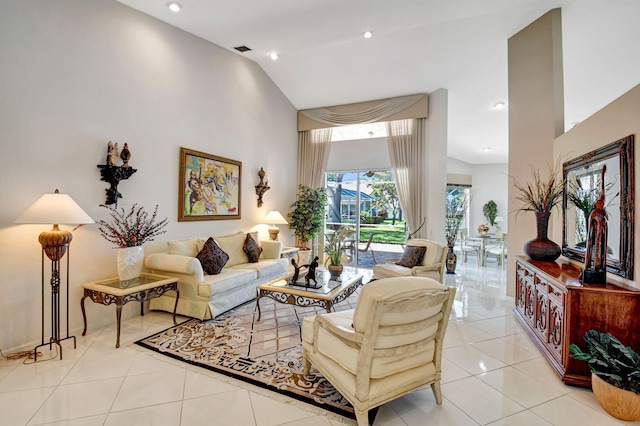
<point x="486" y="149"/>
<point x="274" y="56"/>
<point x="174" y="6"/>
<point x="367" y="34"/>
<point x="499" y="105"/>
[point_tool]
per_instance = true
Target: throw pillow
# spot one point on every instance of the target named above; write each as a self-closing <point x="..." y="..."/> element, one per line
<point x="212" y="258"/>
<point x="412" y="256"/>
<point x="252" y="249"/>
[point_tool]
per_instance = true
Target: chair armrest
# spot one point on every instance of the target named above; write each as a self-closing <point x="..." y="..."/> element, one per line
<point x="417" y="270"/>
<point x="271" y="249"/>
<point x="348" y="334"/>
<point x="175" y="263"/>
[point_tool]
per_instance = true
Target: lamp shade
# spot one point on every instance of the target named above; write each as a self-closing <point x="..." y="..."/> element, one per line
<point x="274" y="217"/>
<point x="55" y="208"/>
<point x="498" y="219"/>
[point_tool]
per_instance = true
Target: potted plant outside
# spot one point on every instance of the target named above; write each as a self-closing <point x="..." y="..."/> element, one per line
<point x="334" y="247"/>
<point x="540" y="197"/>
<point x="307" y="217"/>
<point x="615" y="373"/>
<point x="128" y="230"/>
<point x="490" y="211"/>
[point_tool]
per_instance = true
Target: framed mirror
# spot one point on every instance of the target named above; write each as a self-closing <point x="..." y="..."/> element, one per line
<point x="583" y="177"/>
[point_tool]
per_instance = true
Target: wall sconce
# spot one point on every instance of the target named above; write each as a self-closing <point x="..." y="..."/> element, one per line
<point x="112" y="173"/>
<point x="262" y="187"/>
<point x="274" y="218"/>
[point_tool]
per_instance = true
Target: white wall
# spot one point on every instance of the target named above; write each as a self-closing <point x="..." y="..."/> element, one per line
<point x="490" y="182"/>
<point x="78" y="73"/>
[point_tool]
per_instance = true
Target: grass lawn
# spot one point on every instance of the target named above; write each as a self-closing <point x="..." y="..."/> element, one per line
<point x="385" y="233"/>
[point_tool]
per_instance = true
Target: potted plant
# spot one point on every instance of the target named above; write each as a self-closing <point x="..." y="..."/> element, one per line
<point x="540" y="197"/>
<point x="490" y="211"/>
<point x="455" y="209"/>
<point x="615" y="373"/>
<point x="335" y="246"/>
<point x="306" y="218"/>
<point x="128" y="231"/>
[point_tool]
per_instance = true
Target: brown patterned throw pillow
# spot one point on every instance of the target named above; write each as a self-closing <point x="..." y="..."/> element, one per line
<point x="212" y="258"/>
<point x="252" y="249"/>
<point x="412" y="256"/>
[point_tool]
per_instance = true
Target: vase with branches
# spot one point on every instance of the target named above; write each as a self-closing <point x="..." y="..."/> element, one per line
<point x="541" y="196"/>
<point x="456" y="207"/>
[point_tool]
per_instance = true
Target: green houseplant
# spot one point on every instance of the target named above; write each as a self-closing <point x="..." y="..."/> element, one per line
<point x="615" y="373"/>
<point x="306" y="218"/>
<point x="490" y="211"/>
<point x="334" y="247"/>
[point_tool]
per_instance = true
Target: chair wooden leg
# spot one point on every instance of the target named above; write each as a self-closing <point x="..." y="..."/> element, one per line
<point x="306" y="365"/>
<point x="437" y="392"/>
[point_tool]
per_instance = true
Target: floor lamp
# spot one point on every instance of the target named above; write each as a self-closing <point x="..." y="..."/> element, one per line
<point x="55" y="209"/>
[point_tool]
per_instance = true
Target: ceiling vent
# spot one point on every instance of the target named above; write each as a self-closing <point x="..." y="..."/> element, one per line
<point x="242" y="49"/>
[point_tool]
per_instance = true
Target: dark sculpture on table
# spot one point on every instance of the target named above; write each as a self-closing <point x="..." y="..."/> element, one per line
<point x="595" y="259"/>
<point x="112" y="173"/>
<point x="311" y="273"/>
<point x="296" y="272"/>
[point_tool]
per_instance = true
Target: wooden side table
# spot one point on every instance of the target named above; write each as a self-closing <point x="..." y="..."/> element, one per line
<point x="112" y="290"/>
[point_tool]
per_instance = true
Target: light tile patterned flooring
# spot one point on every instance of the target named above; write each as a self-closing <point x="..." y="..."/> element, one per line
<point x="492" y="374"/>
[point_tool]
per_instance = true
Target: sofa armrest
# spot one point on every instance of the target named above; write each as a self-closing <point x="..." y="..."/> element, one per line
<point x="175" y="263"/>
<point x="271" y="249"/>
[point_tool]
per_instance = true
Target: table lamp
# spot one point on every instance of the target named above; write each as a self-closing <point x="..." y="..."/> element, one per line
<point x="274" y="218"/>
<point x="498" y="220"/>
<point x="55" y="209"/>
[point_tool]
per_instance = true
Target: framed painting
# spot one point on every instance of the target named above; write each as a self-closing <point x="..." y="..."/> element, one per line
<point x="209" y="187"/>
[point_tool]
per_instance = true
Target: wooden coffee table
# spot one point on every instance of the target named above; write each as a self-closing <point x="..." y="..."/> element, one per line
<point x="141" y="289"/>
<point x="329" y="294"/>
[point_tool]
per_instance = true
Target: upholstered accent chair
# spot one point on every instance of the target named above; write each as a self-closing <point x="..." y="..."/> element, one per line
<point x="432" y="265"/>
<point x="388" y="346"/>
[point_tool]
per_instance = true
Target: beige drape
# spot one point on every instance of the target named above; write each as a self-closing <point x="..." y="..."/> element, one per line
<point x="407" y="144"/>
<point x="313" y="155"/>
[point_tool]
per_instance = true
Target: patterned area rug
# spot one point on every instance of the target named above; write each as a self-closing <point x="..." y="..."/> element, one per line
<point x="267" y="353"/>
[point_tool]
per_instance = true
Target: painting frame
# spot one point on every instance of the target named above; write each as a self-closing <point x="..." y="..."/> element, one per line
<point x="209" y="187"/>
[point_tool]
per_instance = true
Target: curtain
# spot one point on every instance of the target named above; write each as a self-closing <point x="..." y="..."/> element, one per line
<point x="407" y="145"/>
<point x="313" y="155"/>
<point x="377" y="112"/>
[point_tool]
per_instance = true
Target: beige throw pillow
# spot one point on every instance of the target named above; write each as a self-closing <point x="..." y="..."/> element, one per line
<point x="233" y="245"/>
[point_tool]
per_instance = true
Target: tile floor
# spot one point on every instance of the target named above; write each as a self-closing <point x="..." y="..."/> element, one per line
<point x="492" y="375"/>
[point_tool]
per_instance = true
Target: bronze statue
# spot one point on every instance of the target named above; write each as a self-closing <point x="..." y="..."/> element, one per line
<point x="311" y="273"/>
<point x="296" y="272"/>
<point x="595" y="259"/>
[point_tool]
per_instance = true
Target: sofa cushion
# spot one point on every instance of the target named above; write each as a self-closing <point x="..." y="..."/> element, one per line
<point x="412" y="256"/>
<point x="212" y="258"/>
<point x="187" y="247"/>
<point x="232" y="245"/>
<point x="251" y="249"/>
<point x="226" y="280"/>
<point x="266" y="267"/>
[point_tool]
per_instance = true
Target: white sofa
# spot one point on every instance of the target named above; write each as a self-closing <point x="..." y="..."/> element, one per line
<point x="207" y="296"/>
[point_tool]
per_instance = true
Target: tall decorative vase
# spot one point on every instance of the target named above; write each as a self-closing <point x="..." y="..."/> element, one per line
<point x="130" y="262"/>
<point x="542" y="248"/>
<point x="451" y="261"/>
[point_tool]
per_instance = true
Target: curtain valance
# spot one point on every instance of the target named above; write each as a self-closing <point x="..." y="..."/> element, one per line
<point x="412" y="106"/>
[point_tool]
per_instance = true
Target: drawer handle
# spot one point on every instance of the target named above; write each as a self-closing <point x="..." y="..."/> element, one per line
<point x="556" y="293"/>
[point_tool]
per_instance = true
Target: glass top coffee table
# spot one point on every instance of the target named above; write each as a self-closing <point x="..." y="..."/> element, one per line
<point x="329" y="294"/>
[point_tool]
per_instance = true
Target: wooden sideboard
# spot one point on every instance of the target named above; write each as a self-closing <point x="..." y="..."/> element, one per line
<point x="556" y="309"/>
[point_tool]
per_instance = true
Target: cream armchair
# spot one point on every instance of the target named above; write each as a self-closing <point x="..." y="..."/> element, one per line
<point x="388" y="346"/>
<point x="432" y="266"/>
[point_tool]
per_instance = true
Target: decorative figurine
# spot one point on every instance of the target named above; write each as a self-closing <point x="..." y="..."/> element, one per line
<point x="125" y="155"/>
<point x="311" y="273"/>
<point x="113" y="155"/>
<point x="109" y="150"/>
<point x="262" y="186"/>
<point x="595" y="259"/>
<point x="296" y="272"/>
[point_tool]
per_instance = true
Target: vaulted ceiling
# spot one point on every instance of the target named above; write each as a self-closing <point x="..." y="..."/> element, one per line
<point x="419" y="46"/>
